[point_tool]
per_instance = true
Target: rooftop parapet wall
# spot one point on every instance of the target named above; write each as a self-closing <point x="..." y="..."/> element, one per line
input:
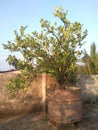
<point x="32" y="99"/>
<point x="25" y="101"/>
<point x="89" y="86"/>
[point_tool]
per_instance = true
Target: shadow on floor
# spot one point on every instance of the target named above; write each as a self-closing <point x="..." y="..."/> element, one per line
<point x="39" y="121"/>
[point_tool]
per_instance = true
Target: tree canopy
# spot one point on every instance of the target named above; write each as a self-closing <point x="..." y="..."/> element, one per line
<point x="55" y="49"/>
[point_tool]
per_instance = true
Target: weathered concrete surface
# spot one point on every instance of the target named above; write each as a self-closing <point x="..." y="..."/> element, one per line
<point x="25" y="101"/>
<point x="39" y="121"/>
<point x="89" y="86"/>
<point x="31" y="100"/>
<point x="89" y="121"/>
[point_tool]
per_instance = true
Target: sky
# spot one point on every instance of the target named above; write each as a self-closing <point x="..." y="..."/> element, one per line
<point x="17" y="13"/>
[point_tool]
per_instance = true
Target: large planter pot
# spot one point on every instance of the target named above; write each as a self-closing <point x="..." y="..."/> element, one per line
<point x="65" y="106"/>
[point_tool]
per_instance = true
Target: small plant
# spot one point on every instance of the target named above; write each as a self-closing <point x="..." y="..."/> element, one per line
<point x="15" y="84"/>
<point x="21" y="81"/>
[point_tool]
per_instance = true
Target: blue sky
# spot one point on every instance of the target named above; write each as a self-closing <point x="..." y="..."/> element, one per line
<point x="16" y="13"/>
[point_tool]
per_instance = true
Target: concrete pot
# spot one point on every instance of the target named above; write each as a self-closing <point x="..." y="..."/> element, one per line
<point x="65" y="106"/>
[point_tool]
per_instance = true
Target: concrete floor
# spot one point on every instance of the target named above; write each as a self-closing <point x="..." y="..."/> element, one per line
<point x="39" y="121"/>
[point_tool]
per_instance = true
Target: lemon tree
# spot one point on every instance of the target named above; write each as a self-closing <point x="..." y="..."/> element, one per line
<point x="55" y="49"/>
